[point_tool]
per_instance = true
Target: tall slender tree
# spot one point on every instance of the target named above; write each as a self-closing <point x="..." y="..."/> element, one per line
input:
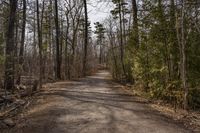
<point x="86" y="39"/>
<point x="21" y="52"/>
<point x="183" y="65"/>
<point x="58" y="62"/>
<point x="39" y="43"/>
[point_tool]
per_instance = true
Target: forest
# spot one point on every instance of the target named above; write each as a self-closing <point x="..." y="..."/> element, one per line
<point x="151" y="46"/>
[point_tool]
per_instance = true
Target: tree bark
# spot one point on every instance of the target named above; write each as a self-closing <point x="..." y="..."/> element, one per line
<point x="58" y="62"/>
<point x="39" y="43"/>
<point x="10" y="44"/>
<point x="86" y="40"/>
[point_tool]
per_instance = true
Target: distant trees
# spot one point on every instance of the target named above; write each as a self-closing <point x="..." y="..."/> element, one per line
<point x="100" y="32"/>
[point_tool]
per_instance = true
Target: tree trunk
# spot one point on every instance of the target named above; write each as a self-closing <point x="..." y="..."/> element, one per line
<point x="135" y="23"/>
<point x="121" y="39"/>
<point x="86" y="40"/>
<point x="67" y="73"/>
<point x="10" y="43"/>
<point x="58" y="62"/>
<point x="21" y="52"/>
<point x="39" y="44"/>
<point x="61" y="43"/>
<point x="51" y="57"/>
<point x="183" y="43"/>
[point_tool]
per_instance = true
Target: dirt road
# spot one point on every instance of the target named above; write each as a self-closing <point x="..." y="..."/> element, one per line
<point x="93" y="105"/>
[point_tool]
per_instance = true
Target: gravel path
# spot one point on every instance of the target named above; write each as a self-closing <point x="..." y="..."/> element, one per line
<point x="93" y="105"/>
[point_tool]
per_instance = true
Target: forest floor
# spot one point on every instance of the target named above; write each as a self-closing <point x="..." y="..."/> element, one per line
<point x="94" y="104"/>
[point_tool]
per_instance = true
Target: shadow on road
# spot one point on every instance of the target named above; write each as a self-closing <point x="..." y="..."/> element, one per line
<point x="94" y="105"/>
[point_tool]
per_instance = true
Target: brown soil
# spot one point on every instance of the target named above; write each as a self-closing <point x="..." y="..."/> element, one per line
<point x="92" y="105"/>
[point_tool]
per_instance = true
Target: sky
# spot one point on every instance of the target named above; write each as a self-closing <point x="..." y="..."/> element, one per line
<point x="98" y="10"/>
